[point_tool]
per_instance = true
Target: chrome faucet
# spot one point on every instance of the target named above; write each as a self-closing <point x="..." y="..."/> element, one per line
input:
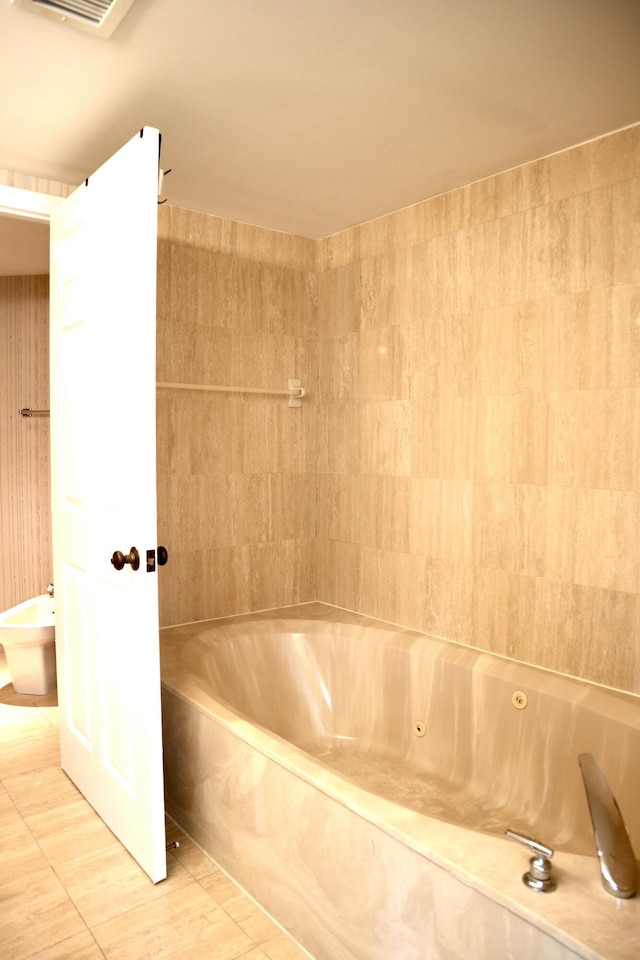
<point x="538" y="877"/>
<point x="50" y="589"/>
<point x="617" y="861"/>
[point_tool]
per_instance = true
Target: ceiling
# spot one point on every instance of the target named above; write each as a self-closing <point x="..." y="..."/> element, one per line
<point x="310" y="116"/>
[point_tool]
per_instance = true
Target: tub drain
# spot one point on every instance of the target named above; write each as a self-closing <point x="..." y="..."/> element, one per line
<point x="419" y="728"/>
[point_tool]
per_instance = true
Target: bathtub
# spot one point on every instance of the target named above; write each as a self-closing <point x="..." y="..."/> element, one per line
<point x="356" y="779"/>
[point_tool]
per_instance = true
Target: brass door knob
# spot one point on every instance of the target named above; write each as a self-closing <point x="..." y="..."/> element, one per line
<point x="119" y="559"/>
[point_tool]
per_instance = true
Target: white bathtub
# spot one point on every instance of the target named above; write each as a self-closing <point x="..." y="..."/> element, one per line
<point x="292" y="757"/>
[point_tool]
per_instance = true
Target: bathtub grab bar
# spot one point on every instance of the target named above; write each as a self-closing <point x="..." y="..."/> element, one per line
<point x="28" y="412"/>
<point x="295" y="391"/>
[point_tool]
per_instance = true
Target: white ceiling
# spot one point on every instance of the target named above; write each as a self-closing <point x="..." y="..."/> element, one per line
<point x="310" y="116"/>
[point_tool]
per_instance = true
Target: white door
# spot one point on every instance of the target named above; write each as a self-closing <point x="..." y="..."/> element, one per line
<point x="103" y="462"/>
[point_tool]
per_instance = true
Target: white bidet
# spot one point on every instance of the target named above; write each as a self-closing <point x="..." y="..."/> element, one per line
<point x="27" y="633"/>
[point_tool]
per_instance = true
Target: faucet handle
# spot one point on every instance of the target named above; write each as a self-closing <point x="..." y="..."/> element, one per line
<point x="534" y="845"/>
<point x="538" y="877"/>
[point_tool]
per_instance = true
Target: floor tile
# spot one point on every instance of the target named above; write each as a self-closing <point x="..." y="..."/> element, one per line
<point x="254" y="921"/>
<point x="184" y="925"/>
<point x="70" y="831"/>
<point x="17" y="716"/>
<point x="35" y="913"/>
<point x="20" y="855"/>
<point x="189" y="854"/>
<point x="35" y="745"/>
<point x="257" y="925"/>
<point x="105" y="883"/>
<point x="70" y="891"/>
<point x="10" y="696"/>
<point x="7" y="806"/>
<point x="39" y="791"/>
<point x="80" y="947"/>
<point x="283" y="948"/>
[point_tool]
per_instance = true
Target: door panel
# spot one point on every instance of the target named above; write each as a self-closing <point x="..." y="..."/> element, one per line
<point x="103" y="277"/>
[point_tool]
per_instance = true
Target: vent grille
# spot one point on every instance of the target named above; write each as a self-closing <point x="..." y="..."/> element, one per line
<point x="94" y="11"/>
<point x="99" y="17"/>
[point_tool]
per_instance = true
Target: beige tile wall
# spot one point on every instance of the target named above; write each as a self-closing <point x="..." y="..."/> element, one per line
<point x="479" y="414"/>
<point x="236" y="483"/>
<point x="26" y="181"/>
<point x="25" y="515"/>
<point x="468" y="452"/>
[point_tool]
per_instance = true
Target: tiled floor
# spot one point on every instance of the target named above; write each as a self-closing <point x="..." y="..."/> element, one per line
<point x="70" y="891"/>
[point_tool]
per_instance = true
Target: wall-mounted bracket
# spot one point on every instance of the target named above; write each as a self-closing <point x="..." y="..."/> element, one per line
<point x="293" y="384"/>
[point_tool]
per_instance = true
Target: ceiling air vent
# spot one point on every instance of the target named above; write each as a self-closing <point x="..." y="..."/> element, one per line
<point x="100" y="17"/>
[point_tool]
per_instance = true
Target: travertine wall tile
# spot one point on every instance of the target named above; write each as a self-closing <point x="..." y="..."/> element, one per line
<point x="439" y="519"/>
<point x="434" y="277"/>
<point x="338" y="571"/>
<point x="583" y="253"/>
<point x="217" y="235"/>
<point x="339" y="300"/>
<point x="465" y="461"/>
<point x="385" y="289"/>
<point x="596" y="164"/>
<point x="530" y="184"/>
<point x="478" y="267"/>
<point x="584" y="421"/>
<point x="626" y="231"/>
<point x="440" y="216"/>
<point x="384" y="428"/>
<point x="594" y="339"/>
<point x="486" y="451"/>
<point x="511" y="438"/>
<point x="587" y="632"/>
<point x="592" y="537"/>
<point x="337" y="438"/>
<point x="338" y="507"/>
<point x="191" y="352"/>
<point x="205" y="584"/>
<point x="338" y="368"/>
<point x="441" y="349"/>
<point x="443" y="437"/>
<point x="379" y="498"/>
<point x="237" y="488"/>
<point x="395" y="583"/>
<point x="502" y="611"/>
<point x="524" y="268"/>
<point x="511" y="352"/>
<point x="509" y="524"/>
<point x="488" y="199"/>
<point x="384" y="364"/>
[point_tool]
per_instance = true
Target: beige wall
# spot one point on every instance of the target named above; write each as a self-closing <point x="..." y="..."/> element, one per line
<point x="26" y="181"/>
<point x="479" y="425"/>
<point x="26" y="565"/>
<point x="25" y="518"/>
<point x="468" y="453"/>
<point x="236" y="486"/>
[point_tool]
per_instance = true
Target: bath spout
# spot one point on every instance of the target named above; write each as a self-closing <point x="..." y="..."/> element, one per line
<point x="617" y="861"/>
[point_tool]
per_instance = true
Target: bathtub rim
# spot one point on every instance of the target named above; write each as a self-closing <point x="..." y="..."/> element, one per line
<point x="319" y="611"/>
